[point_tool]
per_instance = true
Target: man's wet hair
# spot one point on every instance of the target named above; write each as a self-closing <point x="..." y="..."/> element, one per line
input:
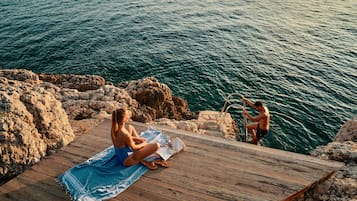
<point x="258" y="104"/>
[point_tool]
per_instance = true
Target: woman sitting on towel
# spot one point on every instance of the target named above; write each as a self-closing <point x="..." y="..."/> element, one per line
<point x="130" y="149"/>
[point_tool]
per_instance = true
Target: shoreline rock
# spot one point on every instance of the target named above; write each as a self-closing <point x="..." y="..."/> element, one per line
<point x="32" y="123"/>
<point x="42" y="113"/>
<point x="342" y="185"/>
<point x="211" y="123"/>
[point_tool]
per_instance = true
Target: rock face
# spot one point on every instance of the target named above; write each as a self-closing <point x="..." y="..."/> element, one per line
<point x="20" y="75"/>
<point x="343" y="184"/>
<point x="79" y="82"/>
<point x="147" y="99"/>
<point x="32" y="122"/>
<point x="38" y="111"/>
<point x="348" y="132"/>
<point x="159" y="100"/>
<point x="93" y="104"/>
<point x="211" y="123"/>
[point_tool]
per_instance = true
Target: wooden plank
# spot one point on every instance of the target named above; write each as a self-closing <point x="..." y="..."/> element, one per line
<point x="210" y="181"/>
<point x="30" y="188"/>
<point x="80" y="151"/>
<point x="42" y="186"/>
<point x="51" y="168"/>
<point x="241" y="147"/>
<point x="293" y="166"/>
<point x="285" y="161"/>
<point x="93" y="142"/>
<point x="12" y="190"/>
<point x="264" y="165"/>
<point x="5" y="198"/>
<point x="209" y="169"/>
<point x="149" y="189"/>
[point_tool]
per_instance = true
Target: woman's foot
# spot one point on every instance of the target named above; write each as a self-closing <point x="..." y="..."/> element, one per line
<point x="150" y="165"/>
<point x="162" y="163"/>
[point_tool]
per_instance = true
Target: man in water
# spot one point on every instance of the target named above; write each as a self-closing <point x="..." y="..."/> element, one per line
<point x="260" y="127"/>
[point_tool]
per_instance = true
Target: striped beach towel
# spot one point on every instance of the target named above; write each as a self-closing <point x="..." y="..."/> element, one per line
<point x="102" y="177"/>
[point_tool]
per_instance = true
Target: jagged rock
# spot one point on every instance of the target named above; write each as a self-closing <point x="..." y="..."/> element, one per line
<point x="158" y="96"/>
<point x="147" y="99"/>
<point x="344" y="152"/>
<point x="35" y="111"/>
<point x="143" y="114"/>
<point x="32" y="122"/>
<point x="79" y="82"/>
<point x="49" y="117"/>
<point x="344" y="148"/>
<point x="20" y="75"/>
<point x="343" y="184"/>
<point x="348" y="132"/>
<point x="91" y="104"/>
<point x="20" y="143"/>
<point x="218" y="122"/>
<point x="340" y="187"/>
<point x="211" y="123"/>
<point x="188" y="125"/>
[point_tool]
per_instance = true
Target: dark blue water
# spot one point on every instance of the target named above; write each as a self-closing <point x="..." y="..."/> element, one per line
<point x="297" y="56"/>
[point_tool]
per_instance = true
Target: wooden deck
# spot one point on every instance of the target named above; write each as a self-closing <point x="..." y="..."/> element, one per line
<point x="208" y="169"/>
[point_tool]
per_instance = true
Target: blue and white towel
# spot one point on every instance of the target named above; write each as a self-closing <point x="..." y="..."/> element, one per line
<point x="102" y="177"/>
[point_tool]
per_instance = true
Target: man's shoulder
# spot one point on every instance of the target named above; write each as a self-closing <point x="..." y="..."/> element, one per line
<point x="266" y="109"/>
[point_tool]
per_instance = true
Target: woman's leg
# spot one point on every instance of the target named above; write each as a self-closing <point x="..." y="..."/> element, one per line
<point x="138" y="156"/>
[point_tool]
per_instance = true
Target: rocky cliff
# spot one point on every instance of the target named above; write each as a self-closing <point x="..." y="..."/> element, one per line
<point x="342" y="186"/>
<point x="32" y="122"/>
<point x="41" y="113"/>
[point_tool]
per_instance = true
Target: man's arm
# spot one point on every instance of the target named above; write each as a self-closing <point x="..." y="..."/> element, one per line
<point x="249" y="102"/>
<point x="254" y="119"/>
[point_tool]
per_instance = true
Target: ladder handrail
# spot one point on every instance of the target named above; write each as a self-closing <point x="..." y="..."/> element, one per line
<point x="228" y="99"/>
<point x="226" y="107"/>
<point x="244" y="123"/>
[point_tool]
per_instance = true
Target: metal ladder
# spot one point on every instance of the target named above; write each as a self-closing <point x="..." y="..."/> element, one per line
<point x="232" y="102"/>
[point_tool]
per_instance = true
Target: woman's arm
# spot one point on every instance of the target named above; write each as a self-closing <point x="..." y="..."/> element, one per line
<point x="137" y="139"/>
<point x="132" y="131"/>
<point x="133" y="144"/>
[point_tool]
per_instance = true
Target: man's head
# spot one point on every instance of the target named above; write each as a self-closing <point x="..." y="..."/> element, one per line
<point x="259" y="105"/>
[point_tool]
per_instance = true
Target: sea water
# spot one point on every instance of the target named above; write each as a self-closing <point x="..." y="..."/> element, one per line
<point x="299" y="57"/>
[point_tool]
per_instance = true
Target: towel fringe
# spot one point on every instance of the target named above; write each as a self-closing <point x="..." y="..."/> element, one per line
<point x="64" y="188"/>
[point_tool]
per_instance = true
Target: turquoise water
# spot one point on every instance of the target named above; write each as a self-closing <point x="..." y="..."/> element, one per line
<point x="297" y="56"/>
